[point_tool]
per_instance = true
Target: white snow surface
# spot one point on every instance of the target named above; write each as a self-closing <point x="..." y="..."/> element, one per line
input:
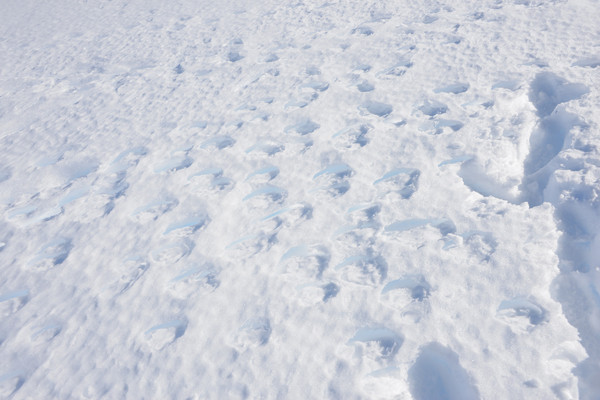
<point x="300" y="199"/>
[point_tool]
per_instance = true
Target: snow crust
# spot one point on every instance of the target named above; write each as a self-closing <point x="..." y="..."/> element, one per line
<point x="300" y="199"/>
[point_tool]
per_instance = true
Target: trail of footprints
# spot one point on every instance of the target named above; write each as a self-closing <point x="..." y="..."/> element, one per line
<point x="315" y="275"/>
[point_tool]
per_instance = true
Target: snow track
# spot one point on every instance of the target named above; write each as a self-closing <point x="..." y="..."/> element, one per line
<point x="300" y="200"/>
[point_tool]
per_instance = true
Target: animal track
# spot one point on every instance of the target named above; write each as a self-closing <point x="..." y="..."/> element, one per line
<point x="12" y="302"/>
<point x="162" y="335"/>
<point x="404" y="181"/>
<point x="379" y="344"/>
<point x="53" y="253"/>
<point x="437" y="374"/>
<point x="521" y="314"/>
<point x="254" y="332"/>
<point x="364" y="269"/>
<point x="305" y="262"/>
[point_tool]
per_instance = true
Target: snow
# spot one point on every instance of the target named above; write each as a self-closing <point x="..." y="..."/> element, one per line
<point x="310" y="199"/>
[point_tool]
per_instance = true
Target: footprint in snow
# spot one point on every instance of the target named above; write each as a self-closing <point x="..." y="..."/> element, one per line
<point x="432" y="108"/>
<point x="377" y="344"/>
<point x="172" y="251"/>
<point x="333" y="180"/>
<point x="252" y="244"/>
<point x="154" y="209"/>
<point x="10" y="383"/>
<point x="521" y="314"/>
<point x="360" y="218"/>
<point x="265" y="197"/>
<point x="352" y="137"/>
<point x="46" y="333"/>
<point x="363" y="269"/>
<point x="409" y="295"/>
<point x="196" y="279"/>
<point x="305" y="262"/>
<point x="52" y="254"/>
<point x="11" y="302"/>
<point x="128" y="272"/>
<point x="312" y="293"/>
<point x="365" y="86"/>
<point x="303" y="127"/>
<point x="265" y="148"/>
<point x="402" y="181"/>
<point x="210" y="181"/>
<point x="453" y="88"/>
<point x="262" y="175"/>
<point x="253" y="333"/>
<point x="437" y="374"/>
<point x="218" y="142"/>
<point x="188" y="225"/>
<point x="162" y="335"/>
<point x="376" y="108"/>
<point x="292" y="215"/>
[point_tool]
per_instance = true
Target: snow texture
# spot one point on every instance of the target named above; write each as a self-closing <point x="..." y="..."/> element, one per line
<point x="300" y="199"/>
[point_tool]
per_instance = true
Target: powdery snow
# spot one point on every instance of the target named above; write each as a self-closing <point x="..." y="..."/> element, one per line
<point x="303" y="200"/>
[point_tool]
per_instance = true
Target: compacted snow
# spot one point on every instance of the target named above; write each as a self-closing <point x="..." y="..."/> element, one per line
<point x="303" y="199"/>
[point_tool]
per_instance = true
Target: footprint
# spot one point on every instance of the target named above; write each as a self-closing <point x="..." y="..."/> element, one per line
<point x="589" y="62"/>
<point x="313" y="70"/>
<point x="397" y="70"/>
<point x="482" y="244"/>
<point x="263" y="175"/>
<point x="521" y="314"/>
<point x="196" y="279"/>
<point x="365" y="86"/>
<point x="548" y="90"/>
<point x="433" y="108"/>
<point x="266" y="147"/>
<point x="127" y="159"/>
<point x="363" y="214"/>
<point x="330" y="290"/>
<point x="511" y="84"/>
<point x="53" y="253"/>
<point x="403" y="181"/>
<point x="318" y="86"/>
<point x="312" y="293"/>
<point x="437" y="374"/>
<point x="360" y="217"/>
<point x="46" y="333"/>
<point x="362" y="30"/>
<point x="271" y="58"/>
<point x="130" y="271"/>
<point x="352" y="137"/>
<point x="252" y="244"/>
<point x="265" y="196"/>
<point x="154" y="209"/>
<point x="12" y="302"/>
<point x="412" y="287"/>
<point x="172" y="252"/>
<point x="253" y="333"/>
<point x="292" y="215"/>
<point x="188" y="225"/>
<point x="218" y="142"/>
<point x="409" y="295"/>
<point x="162" y="335"/>
<point x="365" y="269"/>
<point x="445" y="225"/>
<point x="376" y="108"/>
<point x="305" y="262"/>
<point x="174" y="163"/>
<point x="378" y="344"/>
<point x="10" y="383"/>
<point x="334" y="179"/>
<point x="454" y="88"/>
<point x="304" y="127"/>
